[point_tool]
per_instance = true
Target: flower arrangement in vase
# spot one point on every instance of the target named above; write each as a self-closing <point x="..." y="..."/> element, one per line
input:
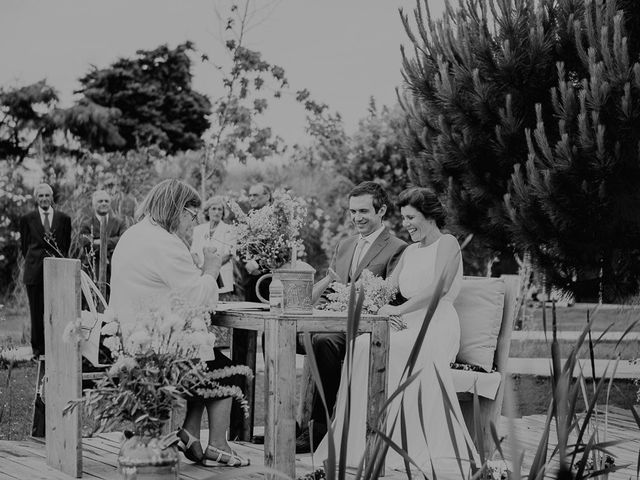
<point x="270" y="235"/>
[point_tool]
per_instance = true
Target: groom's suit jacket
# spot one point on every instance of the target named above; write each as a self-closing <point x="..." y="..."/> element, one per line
<point x="380" y="259"/>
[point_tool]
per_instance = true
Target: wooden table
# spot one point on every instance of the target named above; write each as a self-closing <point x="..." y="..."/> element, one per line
<point x="280" y="372"/>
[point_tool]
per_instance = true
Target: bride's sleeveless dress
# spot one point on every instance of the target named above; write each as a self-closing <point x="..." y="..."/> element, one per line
<point x="439" y="348"/>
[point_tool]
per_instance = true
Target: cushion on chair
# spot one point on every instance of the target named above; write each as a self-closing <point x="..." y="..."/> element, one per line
<point x="468" y="381"/>
<point x="479" y="306"/>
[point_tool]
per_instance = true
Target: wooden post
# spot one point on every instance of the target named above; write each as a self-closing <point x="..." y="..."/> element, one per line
<point x="102" y="266"/>
<point x="63" y="381"/>
<point x="280" y="389"/>
<point x="377" y="389"/>
<point x="243" y="351"/>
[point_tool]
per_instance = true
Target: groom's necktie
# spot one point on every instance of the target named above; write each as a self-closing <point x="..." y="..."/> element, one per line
<point x="357" y="255"/>
<point x="47" y="225"/>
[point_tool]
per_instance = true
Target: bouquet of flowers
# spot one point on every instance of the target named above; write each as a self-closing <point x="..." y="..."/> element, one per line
<point x="270" y="235"/>
<point x="377" y="292"/>
<point x="156" y="367"/>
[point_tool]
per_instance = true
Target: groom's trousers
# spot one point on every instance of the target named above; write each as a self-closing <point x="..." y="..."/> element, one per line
<point x="329" y="351"/>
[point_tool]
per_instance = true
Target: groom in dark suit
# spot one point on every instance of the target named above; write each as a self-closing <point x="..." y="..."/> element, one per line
<point x="44" y="232"/>
<point x="373" y="248"/>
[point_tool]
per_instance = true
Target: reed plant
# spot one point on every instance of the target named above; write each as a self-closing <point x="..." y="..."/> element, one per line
<point x="583" y="449"/>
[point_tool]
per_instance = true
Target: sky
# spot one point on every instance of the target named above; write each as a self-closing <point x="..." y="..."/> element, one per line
<point x="343" y="51"/>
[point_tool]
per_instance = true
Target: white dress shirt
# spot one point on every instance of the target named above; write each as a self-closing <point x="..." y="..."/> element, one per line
<point x="48" y="212"/>
<point x="363" y="246"/>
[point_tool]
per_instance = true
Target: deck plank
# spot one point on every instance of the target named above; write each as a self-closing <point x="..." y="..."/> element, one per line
<point x="27" y="459"/>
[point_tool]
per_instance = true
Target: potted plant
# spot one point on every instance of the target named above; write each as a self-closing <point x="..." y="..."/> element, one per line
<point x="156" y="367"/>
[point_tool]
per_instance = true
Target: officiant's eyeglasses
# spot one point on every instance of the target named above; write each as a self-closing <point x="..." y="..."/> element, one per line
<point x="194" y="215"/>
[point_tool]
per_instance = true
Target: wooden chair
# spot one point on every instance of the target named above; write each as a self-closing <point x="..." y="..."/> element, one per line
<point x="490" y="409"/>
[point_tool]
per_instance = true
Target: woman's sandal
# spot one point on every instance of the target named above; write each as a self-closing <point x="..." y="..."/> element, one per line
<point x="230" y="459"/>
<point x="190" y="447"/>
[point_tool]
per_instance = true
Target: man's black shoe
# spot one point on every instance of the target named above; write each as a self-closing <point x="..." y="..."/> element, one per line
<point x="303" y="442"/>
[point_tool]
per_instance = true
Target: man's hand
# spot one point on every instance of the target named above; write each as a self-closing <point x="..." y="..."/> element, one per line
<point x="212" y="261"/>
<point x="252" y="267"/>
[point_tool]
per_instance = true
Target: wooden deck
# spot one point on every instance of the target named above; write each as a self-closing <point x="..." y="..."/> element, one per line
<point x="26" y="459"/>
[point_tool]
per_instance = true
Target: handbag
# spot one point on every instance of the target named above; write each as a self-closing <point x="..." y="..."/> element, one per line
<point x="91" y="321"/>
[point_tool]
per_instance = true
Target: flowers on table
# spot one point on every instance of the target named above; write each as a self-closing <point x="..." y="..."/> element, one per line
<point x="156" y="366"/>
<point x="377" y="292"/>
<point x="270" y="234"/>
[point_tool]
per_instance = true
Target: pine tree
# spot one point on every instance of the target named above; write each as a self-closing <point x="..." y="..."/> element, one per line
<point x="471" y="87"/>
<point x="575" y="204"/>
<point x="485" y="74"/>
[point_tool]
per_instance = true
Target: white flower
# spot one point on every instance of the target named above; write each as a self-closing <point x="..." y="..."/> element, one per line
<point x="138" y="340"/>
<point x="171" y="322"/>
<point x="113" y="344"/>
<point x="199" y="325"/>
<point x="110" y="328"/>
<point x="123" y="363"/>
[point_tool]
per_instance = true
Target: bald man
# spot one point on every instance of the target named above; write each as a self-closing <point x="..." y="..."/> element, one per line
<point x="90" y="234"/>
<point x="44" y="232"/>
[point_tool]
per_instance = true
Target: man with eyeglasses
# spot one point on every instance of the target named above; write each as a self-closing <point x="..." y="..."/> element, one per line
<point x="259" y="197"/>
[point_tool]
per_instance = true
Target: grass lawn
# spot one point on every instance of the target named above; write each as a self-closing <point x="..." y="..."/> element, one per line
<point x="574" y="318"/>
<point x="17" y="387"/>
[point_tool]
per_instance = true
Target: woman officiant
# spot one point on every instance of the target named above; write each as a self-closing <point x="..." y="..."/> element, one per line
<point x="150" y="263"/>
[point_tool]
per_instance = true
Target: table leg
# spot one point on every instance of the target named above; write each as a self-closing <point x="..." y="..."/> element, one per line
<point x="378" y="366"/>
<point x="243" y="351"/>
<point x="280" y="381"/>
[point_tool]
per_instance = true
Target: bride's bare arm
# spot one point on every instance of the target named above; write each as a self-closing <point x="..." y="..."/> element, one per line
<point x="447" y="262"/>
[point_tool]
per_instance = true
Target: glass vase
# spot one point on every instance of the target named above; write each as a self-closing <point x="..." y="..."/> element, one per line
<point x="145" y="457"/>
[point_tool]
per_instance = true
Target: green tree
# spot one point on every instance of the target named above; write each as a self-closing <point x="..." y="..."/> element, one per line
<point x="249" y="83"/>
<point x="148" y="98"/>
<point x="471" y="88"/>
<point x="27" y="121"/>
<point x="480" y="78"/>
<point x="575" y="204"/>
<point x="377" y="154"/>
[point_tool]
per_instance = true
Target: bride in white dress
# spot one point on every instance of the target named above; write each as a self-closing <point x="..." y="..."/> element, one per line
<point x="433" y="256"/>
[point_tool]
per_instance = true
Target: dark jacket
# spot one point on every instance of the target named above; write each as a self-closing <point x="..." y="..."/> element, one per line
<point x="380" y="259"/>
<point x="35" y="248"/>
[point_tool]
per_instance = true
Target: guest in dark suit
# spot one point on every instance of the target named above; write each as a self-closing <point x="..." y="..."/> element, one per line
<point x="90" y="234"/>
<point x="248" y="269"/>
<point x="373" y="248"/>
<point x="44" y="232"/>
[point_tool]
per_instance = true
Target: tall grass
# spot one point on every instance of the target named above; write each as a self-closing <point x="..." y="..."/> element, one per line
<point x="583" y="449"/>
